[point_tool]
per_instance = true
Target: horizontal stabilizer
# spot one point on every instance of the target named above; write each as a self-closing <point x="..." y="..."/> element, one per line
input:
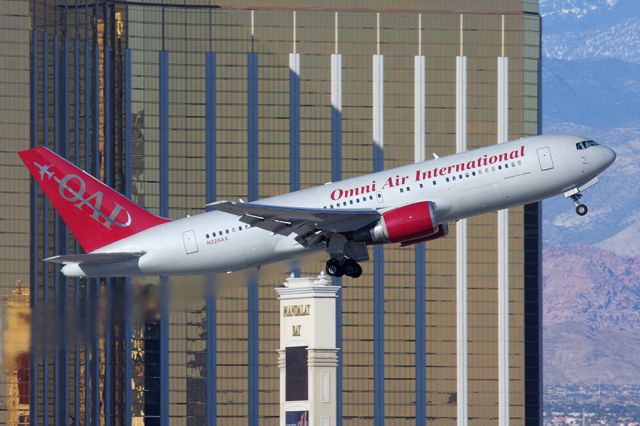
<point x="94" y="258"/>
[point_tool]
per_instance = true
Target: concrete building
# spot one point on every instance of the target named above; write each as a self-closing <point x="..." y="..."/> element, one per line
<point x="179" y="105"/>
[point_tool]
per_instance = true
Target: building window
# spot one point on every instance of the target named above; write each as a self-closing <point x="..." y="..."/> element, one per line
<point x="296" y="372"/>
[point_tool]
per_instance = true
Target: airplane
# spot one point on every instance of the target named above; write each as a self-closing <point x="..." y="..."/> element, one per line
<point x="405" y="205"/>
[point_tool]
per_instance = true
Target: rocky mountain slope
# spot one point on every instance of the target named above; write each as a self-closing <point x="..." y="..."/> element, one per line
<point x="591" y="316"/>
<point x="591" y="87"/>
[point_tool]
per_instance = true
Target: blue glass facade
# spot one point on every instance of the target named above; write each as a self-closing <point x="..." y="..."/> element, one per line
<point x="178" y="106"/>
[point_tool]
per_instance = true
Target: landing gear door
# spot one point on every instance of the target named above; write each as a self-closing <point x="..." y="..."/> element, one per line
<point x="544" y="157"/>
<point x="189" y="240"/>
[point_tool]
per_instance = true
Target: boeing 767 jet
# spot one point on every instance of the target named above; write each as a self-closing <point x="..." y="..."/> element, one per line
<point x="404" y="205"/>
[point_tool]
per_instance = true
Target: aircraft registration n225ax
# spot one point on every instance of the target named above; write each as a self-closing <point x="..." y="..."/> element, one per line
<point x="405" y="205"/>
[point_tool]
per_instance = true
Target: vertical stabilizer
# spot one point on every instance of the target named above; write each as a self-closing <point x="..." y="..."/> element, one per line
<point x="96" y="214"/>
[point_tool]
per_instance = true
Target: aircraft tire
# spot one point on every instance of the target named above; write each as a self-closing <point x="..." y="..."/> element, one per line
<point x="581" y="209"/>
<point x="334" y="268"/>
<point x="352" y="269"/>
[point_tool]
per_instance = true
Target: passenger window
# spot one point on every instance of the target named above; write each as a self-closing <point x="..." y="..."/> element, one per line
<point x="207" y="236"/>
<point x="499" y="167"/>
<point x="401" y="189"/>
<point x="453" y="178"/>
<point x="434" y="182"/>
<point x="447" y="179"/>
<point x="408" y="188"/>
<point x="473" y="173"/>
<point x="421" y="186"/>
<point x="226" y="231"/>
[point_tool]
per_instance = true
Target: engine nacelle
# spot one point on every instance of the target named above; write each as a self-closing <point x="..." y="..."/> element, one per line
<point x="443" y="231"/>
<point x="407" y="223"/>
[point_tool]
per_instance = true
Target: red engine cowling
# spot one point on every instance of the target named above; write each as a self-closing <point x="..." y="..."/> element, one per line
<point x="407" y="223"/>
<point x="442" y="231"/>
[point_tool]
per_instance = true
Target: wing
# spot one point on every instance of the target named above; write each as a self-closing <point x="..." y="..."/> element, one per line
<point x="306" y="223"/>
<point x="94" y="258"/>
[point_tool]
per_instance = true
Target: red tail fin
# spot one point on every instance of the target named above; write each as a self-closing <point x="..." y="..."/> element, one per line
<point x="96" y="214"/>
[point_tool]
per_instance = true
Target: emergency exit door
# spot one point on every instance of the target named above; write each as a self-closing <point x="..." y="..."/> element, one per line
<point x="189" y="240"/>
<point x="544" y="157"/>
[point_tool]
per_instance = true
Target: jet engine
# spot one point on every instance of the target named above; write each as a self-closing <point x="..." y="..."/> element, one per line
<point x="407" y="225"/>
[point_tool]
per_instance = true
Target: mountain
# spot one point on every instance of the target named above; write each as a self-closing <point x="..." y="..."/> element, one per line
<point x="591" y="264"/>
<point x="591" y="315"/>
<point x="590" y="91"/>
<point x="579" y="355"/>
<point x="600" y="93"/>
<point x="589" y="29"/>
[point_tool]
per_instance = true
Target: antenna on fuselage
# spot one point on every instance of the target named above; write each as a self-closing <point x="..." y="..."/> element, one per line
<point x="435" y="156"/>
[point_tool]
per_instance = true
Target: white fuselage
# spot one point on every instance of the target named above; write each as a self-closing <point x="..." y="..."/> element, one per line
<point x="460" y="185"/>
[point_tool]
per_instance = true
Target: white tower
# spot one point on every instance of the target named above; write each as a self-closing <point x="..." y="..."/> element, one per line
<point x="308" y="355"/>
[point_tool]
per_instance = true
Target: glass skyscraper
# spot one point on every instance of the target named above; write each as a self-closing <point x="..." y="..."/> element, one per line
<point x="177" y="105"/>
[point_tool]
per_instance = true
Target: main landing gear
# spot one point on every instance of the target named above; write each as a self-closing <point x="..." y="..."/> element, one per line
<point x="349" y="267"/>
<point x="581" y="209"/>
<point x="344" y="256"/>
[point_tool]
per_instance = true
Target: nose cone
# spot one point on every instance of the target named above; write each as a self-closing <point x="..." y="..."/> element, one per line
<point x="607" y="157"/>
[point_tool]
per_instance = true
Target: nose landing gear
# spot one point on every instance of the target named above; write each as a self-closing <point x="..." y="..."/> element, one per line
<point x="348" y="267"/>
<point x="581" y="209"/>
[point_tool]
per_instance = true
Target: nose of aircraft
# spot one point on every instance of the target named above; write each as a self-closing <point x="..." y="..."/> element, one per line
<point x="609" y="156"/>
<point x="606" y="157"/>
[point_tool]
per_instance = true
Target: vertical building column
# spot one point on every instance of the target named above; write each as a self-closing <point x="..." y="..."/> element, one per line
<point x="461" y="245"/>
<point x="87" y="165"/>
<point x="419" y="121"/>
<point x="253" y="307"/>
<point x="294" y="128"/>
<point x="63" y="298"/>
<point x="336" y="175"/>
<point x="128" y="286"/>
<point x="57" y="302"/>
<point x="210" y="161"/>
<point x="164" y="211"/>
<point x="34" y="377"/>
<point x="94" y="283"/>
<point x="294" y="121"/>
<point x="378" y="252"/>
<point x="503" y="253"/>
<point x="294" y="115"/>
<point x="46" y="328"/>
<point x="108" y="282"/>
<point x="76" y="281"/>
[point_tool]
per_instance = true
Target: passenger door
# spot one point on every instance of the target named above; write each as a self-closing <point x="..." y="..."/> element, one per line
<point x="544" y="157"/>
<point x="189" y="240"/>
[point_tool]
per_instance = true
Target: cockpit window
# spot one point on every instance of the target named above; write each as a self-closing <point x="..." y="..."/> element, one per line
<point x="585" y="144"/>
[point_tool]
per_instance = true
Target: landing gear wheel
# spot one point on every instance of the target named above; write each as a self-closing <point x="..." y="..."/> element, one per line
<point x="352" y="268"/>
<point x="334" y="268"/>
<point x="581" y="209"/>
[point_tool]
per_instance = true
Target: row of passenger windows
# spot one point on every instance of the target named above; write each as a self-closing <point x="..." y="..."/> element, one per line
<point x="227" y="231"/>
<point x="460" y="176"/>
<point x="351" y="202"/>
